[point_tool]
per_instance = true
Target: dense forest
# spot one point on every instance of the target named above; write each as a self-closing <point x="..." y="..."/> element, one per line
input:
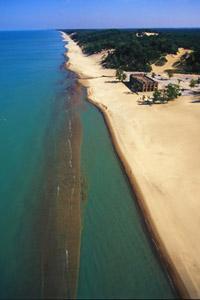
<point x="132" y="53"/>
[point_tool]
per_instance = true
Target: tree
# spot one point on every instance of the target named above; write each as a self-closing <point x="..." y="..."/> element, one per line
<point x="170" y="73"/>
<point x="157" y="96"/>
<point x="193" y="83"/>
<point x="120" y="75"/>
<point x="172" y="92"/>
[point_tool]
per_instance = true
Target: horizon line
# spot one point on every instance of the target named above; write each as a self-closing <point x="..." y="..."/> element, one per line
<point x="100" y="28"/>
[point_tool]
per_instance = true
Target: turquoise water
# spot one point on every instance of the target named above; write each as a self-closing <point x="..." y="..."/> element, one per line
<point x="32" y="95"/>
<point x="117" y="260"/>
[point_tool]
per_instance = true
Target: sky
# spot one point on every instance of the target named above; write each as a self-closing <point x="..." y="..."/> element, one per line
<point x="49" y="14"/>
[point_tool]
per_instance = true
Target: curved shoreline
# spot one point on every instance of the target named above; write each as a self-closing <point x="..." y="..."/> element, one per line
<point x="186" y="287"/>
<point x="153" y="234"/>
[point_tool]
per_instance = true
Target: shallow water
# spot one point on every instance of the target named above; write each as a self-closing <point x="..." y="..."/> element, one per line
<point x="117" y="259"/>
<point x="37" y="172"/>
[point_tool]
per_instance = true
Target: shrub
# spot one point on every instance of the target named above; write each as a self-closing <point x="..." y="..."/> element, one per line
<point x="161" y="61"/>
<point x="172" y="92"/>
<point x="158" y="96"/>
<point x="120" y="75"/>
<point x="170" y="73"/>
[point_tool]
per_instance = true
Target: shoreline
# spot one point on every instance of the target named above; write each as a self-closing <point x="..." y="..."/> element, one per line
<point x="156" y="241"/>
<point x="186" y="286"/>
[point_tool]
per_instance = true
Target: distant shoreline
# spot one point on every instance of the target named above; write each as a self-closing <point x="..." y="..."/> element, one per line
<point x="90" y="75"/>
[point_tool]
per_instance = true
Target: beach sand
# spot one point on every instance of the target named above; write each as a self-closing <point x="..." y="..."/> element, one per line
<point x="159" y="147"/>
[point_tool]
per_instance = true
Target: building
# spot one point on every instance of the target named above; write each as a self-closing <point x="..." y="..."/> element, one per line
<point x="142" y="34"/>
<point x="142" y="83"/>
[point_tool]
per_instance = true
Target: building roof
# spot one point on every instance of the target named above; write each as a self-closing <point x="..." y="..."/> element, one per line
<point x="143" y="78"/>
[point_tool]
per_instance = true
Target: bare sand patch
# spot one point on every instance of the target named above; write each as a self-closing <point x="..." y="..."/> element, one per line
<point x="171" y="60"/>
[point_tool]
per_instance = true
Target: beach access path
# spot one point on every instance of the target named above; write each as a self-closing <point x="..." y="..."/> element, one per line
<point x="159" y="146"/>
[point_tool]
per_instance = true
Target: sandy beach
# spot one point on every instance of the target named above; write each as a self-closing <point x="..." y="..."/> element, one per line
<point x="159" y="147"/>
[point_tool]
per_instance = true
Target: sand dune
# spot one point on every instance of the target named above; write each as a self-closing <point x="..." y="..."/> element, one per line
<point x="171" y="60"/>
<point x="159" y="147"/>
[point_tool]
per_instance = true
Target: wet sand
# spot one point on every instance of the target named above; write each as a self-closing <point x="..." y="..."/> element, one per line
<point x="159" y="147"/>
<point x="61" y="221"/>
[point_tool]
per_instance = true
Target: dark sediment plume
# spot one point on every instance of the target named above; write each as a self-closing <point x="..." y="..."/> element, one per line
<point x="61" y="217"/>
